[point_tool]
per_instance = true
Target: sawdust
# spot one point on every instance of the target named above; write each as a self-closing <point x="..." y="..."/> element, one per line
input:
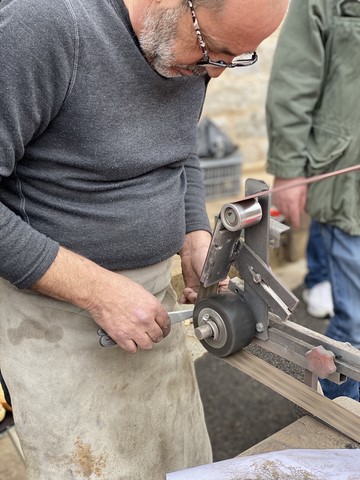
<point x="86" y="462"/>
<point x="270" y="470"/>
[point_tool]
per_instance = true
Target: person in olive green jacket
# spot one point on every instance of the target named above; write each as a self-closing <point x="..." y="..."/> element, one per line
<point x="313" y="120"/>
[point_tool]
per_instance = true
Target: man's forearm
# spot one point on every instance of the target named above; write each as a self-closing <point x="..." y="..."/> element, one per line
<point x="71" y="278"/>
<point x="133" y="317"/>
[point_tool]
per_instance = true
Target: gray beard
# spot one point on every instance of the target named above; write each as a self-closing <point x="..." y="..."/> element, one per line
<point x="157" y="40"/>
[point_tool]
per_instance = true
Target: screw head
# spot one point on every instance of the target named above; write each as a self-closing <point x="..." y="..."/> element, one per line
<point x="257" y="277"/>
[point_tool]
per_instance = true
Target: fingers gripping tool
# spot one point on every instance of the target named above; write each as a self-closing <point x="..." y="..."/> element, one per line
<point x="175" y="317"/>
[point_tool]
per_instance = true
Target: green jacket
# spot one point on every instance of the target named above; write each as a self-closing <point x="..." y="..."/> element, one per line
<point x="313" y="106"/>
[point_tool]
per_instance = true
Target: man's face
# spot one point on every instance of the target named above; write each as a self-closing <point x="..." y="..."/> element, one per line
<point x="158" y="39"/>
<point x="171" y="46"/>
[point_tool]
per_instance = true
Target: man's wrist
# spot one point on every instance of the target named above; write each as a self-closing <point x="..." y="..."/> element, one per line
<point x="194" y="240"/>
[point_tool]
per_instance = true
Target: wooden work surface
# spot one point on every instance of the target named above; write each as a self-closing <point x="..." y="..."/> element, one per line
<point x="308" y="433"/>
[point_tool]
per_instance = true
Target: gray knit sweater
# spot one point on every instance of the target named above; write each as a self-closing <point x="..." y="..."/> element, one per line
<point x="97" y="151"/>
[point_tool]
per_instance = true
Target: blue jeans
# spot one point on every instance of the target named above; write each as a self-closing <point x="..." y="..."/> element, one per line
<point x="316" y="256"/>
<point x="343" y="253"/>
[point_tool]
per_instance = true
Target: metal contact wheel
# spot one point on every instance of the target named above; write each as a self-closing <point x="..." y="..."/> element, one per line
<point x="224" y="323"/>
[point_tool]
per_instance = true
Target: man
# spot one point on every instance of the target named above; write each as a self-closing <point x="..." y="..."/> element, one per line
<point x="313" y="125"/>
<point x="100" y="187"/>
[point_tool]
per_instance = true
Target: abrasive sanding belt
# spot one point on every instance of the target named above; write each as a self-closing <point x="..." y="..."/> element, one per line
<point x="331" y="413"/>
<point x="303" y="181"/>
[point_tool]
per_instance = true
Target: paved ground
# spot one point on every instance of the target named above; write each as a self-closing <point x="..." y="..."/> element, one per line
<point x="240" y="412"/>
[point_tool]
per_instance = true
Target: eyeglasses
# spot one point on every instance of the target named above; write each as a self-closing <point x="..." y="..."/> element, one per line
<point x="244" y="60"/>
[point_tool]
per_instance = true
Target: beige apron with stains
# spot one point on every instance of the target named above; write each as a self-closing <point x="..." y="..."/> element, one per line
<point x="87" y="412"/>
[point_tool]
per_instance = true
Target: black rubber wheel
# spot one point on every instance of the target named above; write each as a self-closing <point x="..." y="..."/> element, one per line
<point x="236" y="319"/>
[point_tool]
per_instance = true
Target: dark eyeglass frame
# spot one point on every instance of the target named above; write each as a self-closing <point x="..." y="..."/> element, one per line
<point x="206" y="62"/>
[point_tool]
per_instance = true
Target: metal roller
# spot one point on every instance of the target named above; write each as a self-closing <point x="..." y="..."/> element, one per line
<point x="236" y="216"/>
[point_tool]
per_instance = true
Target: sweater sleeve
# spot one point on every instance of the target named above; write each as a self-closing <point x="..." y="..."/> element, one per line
<point x="195" y="211"/>
<point x="295" y="86"/>
<point x="37" y="58"/>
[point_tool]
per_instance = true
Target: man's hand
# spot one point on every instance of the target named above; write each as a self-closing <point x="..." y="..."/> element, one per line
<point x="193" y="255"/>
<point x="292" y="201"/>
<point x="132" y="317"/>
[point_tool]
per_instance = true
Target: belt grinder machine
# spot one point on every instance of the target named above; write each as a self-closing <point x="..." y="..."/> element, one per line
<point x="257" y="309"/>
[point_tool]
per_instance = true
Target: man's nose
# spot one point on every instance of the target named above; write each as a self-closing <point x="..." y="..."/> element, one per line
<point x="214" y="72"/>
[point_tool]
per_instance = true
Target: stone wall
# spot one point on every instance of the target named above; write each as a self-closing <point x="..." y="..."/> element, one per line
<point x="236" y="103"/>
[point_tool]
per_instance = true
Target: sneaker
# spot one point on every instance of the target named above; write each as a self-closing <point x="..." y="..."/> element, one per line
<point x="319" y="300"/>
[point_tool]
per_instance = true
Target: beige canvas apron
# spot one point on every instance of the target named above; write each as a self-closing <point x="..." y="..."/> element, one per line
<point x="87" y="412"/>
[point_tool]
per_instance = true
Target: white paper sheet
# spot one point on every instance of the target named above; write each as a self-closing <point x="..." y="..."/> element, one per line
<point x="339" y="464"/>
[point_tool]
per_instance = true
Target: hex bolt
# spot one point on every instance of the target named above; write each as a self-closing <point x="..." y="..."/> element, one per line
<point x="259" y="327"/>
<point x="257" y="277"/>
